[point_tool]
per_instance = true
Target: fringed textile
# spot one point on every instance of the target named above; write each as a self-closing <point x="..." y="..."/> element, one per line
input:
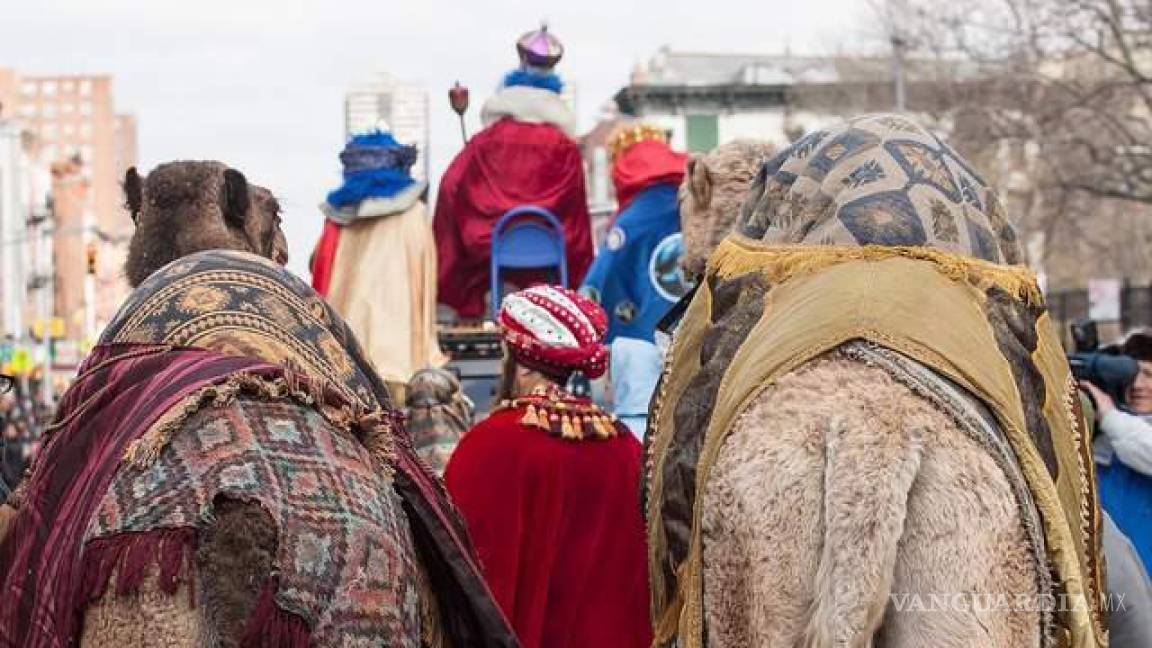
<point x="249" y="308"/>
<point x="738" y="255"/>
<point x="120" y="392"/>
<point x="823" y="298"/>
<point x="130" y="557"/>
<point x="562" y="415"/>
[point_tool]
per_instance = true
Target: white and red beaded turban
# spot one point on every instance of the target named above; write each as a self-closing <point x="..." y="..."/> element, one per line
<point x="555" y="330"/>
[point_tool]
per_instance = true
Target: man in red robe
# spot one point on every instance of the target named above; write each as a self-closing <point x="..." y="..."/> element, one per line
<point x="526" y="155"/>
<point x="548" y="485"/>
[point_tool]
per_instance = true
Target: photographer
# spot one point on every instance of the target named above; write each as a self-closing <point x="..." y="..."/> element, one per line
<point x="1123" y="448"/>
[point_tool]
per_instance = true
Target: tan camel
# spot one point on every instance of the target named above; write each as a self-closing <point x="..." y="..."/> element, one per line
<point x="857" y="496"/>
<point x="710" y="197"/>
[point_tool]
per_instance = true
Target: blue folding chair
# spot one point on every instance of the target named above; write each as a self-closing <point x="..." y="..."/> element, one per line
<point x="526" y="238"/>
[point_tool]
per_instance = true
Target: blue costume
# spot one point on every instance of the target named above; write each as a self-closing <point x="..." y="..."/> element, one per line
<point x="636" y="276"/>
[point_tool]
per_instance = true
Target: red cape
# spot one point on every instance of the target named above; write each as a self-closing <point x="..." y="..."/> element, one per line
<point x="506" y="165"/>
<point x="557" y="526"/>
<point x="643" y="165"/>
<point x="324" y="256"/>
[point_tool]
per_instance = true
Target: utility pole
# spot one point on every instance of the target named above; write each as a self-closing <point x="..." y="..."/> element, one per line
<point x="897" y="15"/>
<point x="899" y="46"/>
<point x="45" y="285"/>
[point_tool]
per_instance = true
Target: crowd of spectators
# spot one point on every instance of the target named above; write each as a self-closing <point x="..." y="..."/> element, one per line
<point x="23" y="416"/>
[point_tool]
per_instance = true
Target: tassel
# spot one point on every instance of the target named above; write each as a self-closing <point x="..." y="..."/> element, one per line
<point x="566" y="429"/>
<point x="530" y="418"/>
<point x="604" y="427"/>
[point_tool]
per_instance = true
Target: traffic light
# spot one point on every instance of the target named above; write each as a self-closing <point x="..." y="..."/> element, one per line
<point x="91" y="253"/>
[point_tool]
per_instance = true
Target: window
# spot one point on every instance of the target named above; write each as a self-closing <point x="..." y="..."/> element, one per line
<point x="67" y="108"/>
<point x="85" y="131"/>
<point x="29" y="109"/>
<point x="48" y="88"/>
<point x="703" y="132"/>
<point x="29" y="89"/>
<point x="49" y="111"/>
<point x="68" y="87"/>
<point x="69" y="130"/>
<point x="86" y="153"/>
<point x="85" y="107"/>
<point x="48" y="131"/>
<point x="85" y="87"/>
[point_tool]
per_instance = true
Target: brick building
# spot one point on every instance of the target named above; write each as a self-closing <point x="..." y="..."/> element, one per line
<point x="74" y="131"/>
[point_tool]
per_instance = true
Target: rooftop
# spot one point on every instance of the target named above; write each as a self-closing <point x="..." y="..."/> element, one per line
<point x="673" y="68"/>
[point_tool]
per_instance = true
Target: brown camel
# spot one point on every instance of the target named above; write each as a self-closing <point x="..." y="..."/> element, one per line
<point x="267" y="563"/>
<point x="187" y="207"/>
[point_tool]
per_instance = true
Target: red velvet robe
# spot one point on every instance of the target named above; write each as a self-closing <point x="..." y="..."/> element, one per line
<point x="558" y="530"/>
<point x="324" y="256"/>
<point x="506" y="165"/>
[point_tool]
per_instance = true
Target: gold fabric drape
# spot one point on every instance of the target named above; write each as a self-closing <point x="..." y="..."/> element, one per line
<point x="929" y="305"/>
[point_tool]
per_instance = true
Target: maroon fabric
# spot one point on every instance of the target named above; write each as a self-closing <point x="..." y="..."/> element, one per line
<point x="131" y="555"/>
<point x="558" y="530"/>
<point x="324" y="256"/>
<point x="506" y="165"/>
<point x="271" y="627"/>
<point x="121" y="391"/>
<point x="643" y="165"/>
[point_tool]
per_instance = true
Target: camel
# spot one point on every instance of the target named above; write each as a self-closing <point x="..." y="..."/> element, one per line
<point x="818" y="476"/>
<point x="711" y="194"/>
<point x="266" y="565"/>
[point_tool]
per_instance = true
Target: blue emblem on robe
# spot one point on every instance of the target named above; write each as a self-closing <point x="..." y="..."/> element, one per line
<point x="636" y="275"/>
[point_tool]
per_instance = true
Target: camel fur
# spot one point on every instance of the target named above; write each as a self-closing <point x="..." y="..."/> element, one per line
<point x="191" y="206"/>
<point x="711" y="195"/>
<point x="839" y="496"/>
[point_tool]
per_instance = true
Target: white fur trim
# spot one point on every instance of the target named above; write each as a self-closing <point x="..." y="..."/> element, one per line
<point x="531" y="105"/>
<point x="376" y="207"/>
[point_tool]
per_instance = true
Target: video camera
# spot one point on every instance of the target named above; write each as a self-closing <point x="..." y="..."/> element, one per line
<point x="1106" y="368"/>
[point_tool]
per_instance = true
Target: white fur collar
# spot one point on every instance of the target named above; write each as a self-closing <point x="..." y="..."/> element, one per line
<point x="532" y="105"/>
<point x="375" y="207"/>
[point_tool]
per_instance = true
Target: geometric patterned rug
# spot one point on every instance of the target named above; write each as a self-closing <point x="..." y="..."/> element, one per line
<point x="346" y="559"/>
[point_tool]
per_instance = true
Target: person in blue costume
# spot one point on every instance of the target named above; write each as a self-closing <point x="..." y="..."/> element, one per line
<point x="1123" y="449"/>
<point x="637" y="275"/>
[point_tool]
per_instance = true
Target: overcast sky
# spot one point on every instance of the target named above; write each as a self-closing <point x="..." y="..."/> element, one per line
<point x="259" y="84"/>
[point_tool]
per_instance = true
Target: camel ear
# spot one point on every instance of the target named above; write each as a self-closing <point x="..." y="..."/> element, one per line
<point x="234" y="199"/>
<point x="133" y="193"/>
<point x="700" y="181"/>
